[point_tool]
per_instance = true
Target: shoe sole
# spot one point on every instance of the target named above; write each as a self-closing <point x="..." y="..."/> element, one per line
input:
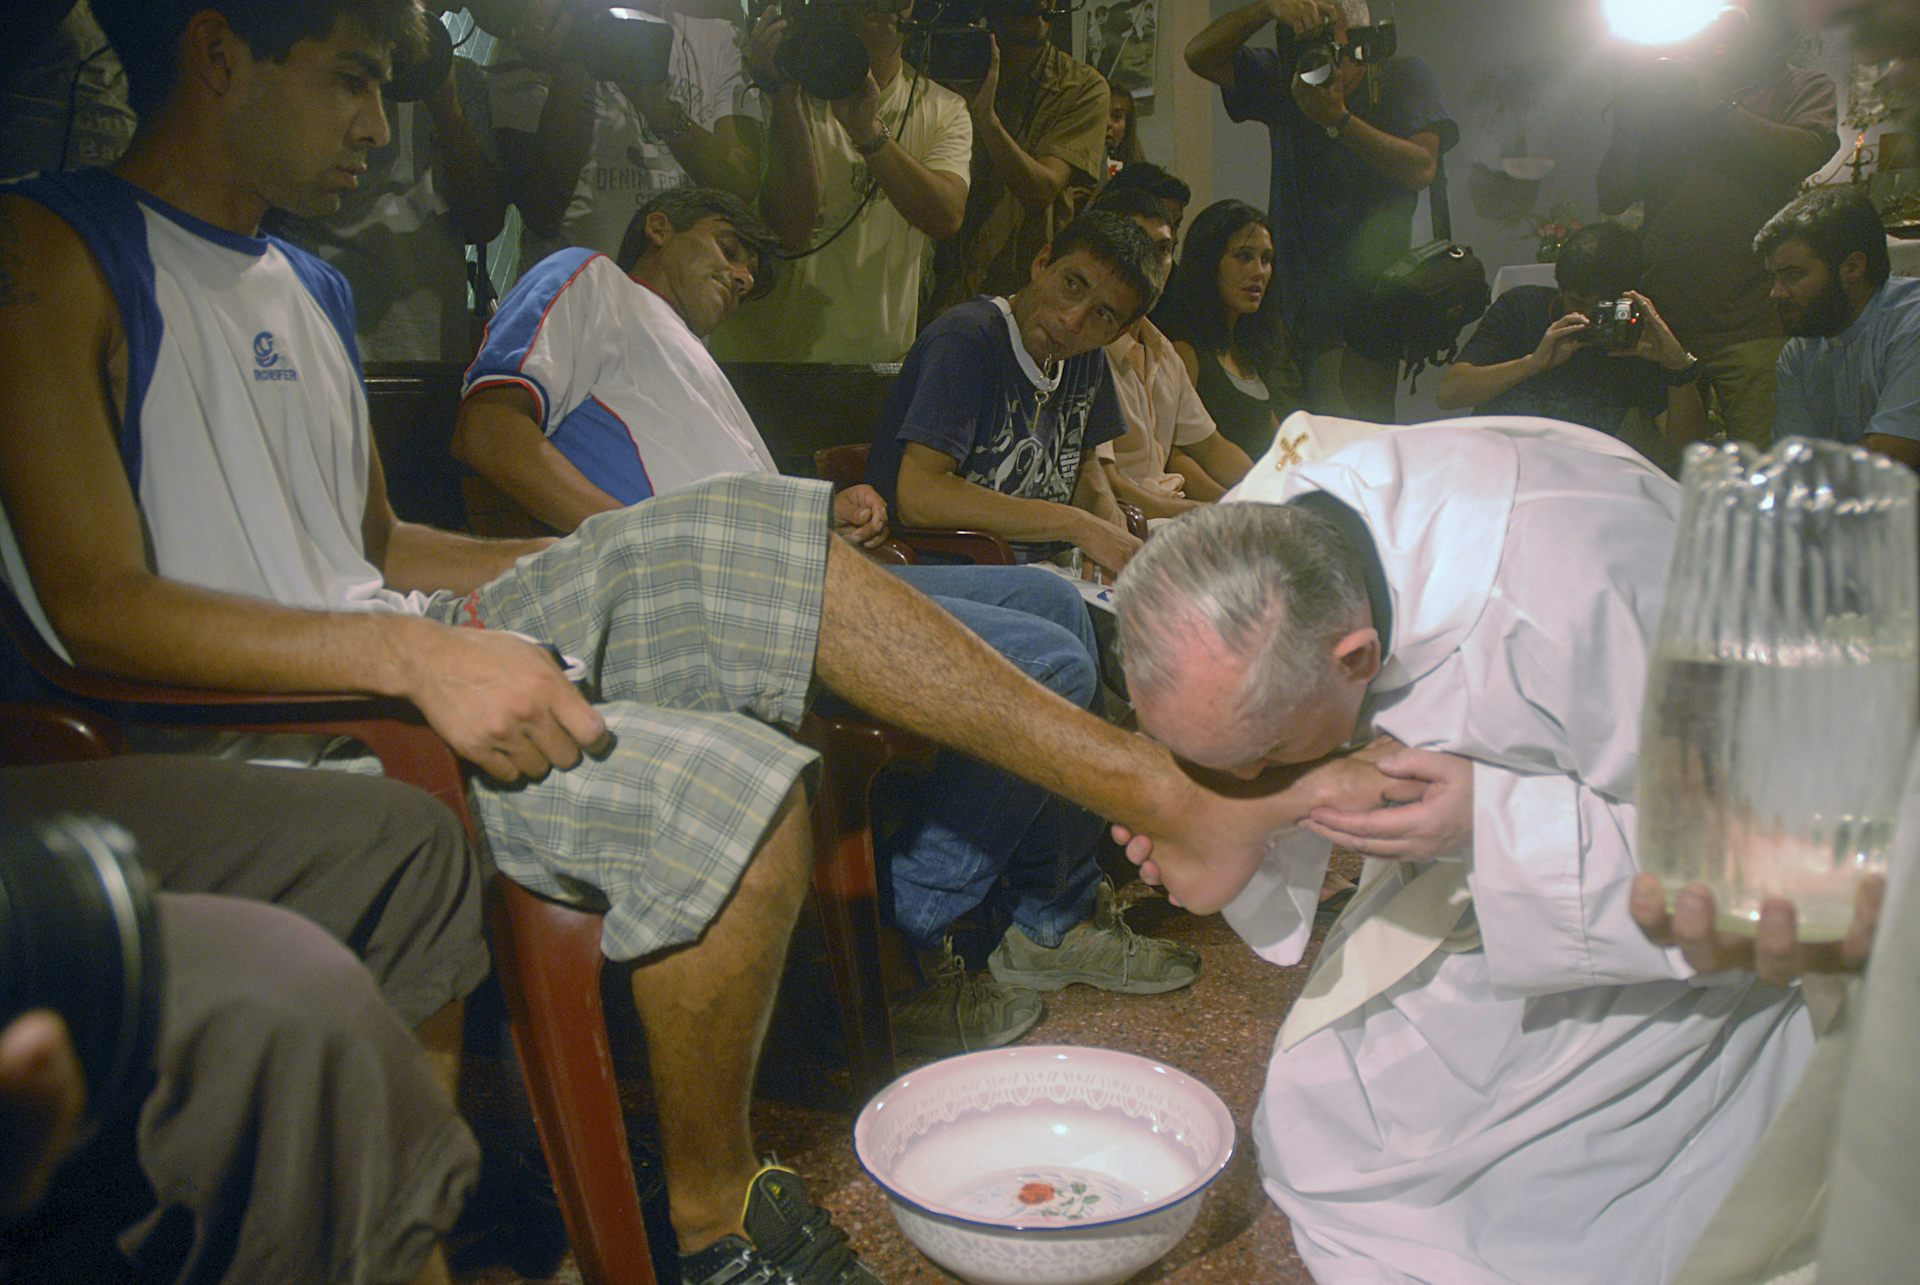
<point x="1056" y="981"/>
<point x="950" y="1048"/>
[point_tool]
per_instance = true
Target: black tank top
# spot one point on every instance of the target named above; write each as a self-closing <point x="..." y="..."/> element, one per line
<point x="1246" y="421"/>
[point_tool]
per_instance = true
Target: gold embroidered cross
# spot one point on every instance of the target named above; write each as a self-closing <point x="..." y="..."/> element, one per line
<point x="1290" y="451"/>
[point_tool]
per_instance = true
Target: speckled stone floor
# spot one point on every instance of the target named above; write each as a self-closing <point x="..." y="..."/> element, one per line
<point x="1219" y="1029"/>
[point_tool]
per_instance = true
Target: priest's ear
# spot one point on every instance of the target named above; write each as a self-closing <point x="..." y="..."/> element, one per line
<point x="1356" y="657"/>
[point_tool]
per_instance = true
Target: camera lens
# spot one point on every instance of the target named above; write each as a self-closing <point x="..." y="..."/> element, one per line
<point x="77" y="935"/>
<point x="823" y="53"/>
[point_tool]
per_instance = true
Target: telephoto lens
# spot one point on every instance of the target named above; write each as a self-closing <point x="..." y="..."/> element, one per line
<point x="78" y="936"/>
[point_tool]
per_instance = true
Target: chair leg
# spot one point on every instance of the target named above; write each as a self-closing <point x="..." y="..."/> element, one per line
<point x="846" y="887"/>
<point x="548" y="958"/>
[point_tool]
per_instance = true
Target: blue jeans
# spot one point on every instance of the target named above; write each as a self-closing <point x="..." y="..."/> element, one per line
<point x="972" y="826"/>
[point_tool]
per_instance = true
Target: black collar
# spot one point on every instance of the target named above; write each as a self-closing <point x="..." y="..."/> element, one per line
<point x="1353" y="528"/>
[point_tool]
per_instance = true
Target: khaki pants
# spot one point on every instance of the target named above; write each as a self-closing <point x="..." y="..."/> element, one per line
<point x="1342" y="382"/>
<point x="1738" y="381"/>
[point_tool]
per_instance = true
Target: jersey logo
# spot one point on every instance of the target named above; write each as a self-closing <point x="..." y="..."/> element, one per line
<point x="266" y="362"/>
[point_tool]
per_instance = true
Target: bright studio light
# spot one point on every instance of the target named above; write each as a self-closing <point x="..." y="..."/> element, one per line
<point x="1660" y="22"/>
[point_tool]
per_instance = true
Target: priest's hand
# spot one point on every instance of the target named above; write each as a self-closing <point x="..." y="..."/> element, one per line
<point x="1437" y="824"/>
<point x="1774" y="952"/>
<point x="1225" y="831"/>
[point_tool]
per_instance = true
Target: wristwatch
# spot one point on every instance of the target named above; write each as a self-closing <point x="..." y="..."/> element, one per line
<point x="1339" y="127"/>
<point x="877" y="142"/>
<point x="1685" y="375"/>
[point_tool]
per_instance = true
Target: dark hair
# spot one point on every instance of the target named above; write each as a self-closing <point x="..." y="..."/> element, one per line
<point x="685" y="206"/>
<point x="1599" y="261"/>
<point x="1130" y="202"/>
<point x="1116" y="240"/>
<point x="1151" y="179"/>
<point x="1128" y="153"/>
<point x="1835" y="223"/>
<point x="146" y="34"/>
<point x="1192" y="308"/>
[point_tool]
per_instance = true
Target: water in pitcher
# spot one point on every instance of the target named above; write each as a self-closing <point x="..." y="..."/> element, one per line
<point x="1775" y="779"/>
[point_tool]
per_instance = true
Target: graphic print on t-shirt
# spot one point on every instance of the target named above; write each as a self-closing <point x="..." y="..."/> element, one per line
<point x="1041" y="459"/>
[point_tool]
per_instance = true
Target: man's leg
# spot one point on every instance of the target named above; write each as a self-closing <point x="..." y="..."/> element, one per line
<point x="1342" y="382"/>
<point x="295" y="1132"/>
<point x="1741" y="377"/>
<point x="381" y="866"/>
<point x="705" y="1008"/>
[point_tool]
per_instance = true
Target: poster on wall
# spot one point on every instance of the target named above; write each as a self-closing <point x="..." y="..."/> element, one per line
<point x="1121" y="40"/>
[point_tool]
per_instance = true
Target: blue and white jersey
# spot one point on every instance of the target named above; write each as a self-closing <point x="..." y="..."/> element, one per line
<point x="244" y="430"/>
<point x="620" y="385"/>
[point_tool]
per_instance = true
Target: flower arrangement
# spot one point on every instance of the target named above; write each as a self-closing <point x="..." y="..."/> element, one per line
<point x="1552" y="231"/>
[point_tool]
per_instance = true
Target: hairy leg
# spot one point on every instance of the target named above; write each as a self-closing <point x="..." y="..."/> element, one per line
<point x="704" y="1008"/>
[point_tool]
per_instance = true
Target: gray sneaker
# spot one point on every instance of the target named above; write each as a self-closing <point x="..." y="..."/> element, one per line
<point x="958" y="1011"/>
<point x="1101" y="951"/>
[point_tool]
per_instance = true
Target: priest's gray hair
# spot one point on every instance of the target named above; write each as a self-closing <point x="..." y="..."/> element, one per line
<point x="1356" y="13"/>
<point x="1276" y="584"/>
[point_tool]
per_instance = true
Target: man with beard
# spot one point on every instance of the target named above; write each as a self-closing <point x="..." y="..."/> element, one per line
<point x="1852" y="370"/>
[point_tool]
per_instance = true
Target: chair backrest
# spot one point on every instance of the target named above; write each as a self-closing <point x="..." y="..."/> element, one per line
<point x="801" y="408"/>
<point x="411" y="407"/>
<point x="843" y="466"/>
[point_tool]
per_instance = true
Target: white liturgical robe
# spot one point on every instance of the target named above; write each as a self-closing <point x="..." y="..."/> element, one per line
<point x="1554" y="1099"/>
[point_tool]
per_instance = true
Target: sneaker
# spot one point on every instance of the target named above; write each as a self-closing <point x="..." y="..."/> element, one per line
<point x="789" y="1241"/>
<point x="958" y="1011"/>
<point x="1102" y="951"/>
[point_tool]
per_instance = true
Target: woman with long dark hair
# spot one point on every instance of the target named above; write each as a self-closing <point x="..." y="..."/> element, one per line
<point x="1224" y="320"/>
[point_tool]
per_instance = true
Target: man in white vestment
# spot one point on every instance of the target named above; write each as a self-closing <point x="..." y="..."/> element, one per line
<point x="1492" y="1074"/>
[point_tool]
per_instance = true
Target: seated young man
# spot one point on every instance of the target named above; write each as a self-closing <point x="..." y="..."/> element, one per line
<point x="191" y="496"/>
<point x="1172" y="458"/>
<point x="994" y="420"/>
<point x="1851" y="371"/>
<point x="628" y="404"/>
<point x="1531" y="355"/>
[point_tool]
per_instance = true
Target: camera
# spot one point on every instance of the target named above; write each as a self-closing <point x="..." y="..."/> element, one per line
<point x="948" y="41"/>
<point x="419" y="75"/>
<point x="622" y="45"/>
<point x="1317" y="55"/>
<point x="1615" y="324"/>
<point x="78" y="936"/>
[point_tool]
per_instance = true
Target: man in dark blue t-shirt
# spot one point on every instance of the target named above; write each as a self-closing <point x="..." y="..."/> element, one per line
<point x="1001" y="402"/>
<point x="1350" y="157"/>
<point x="1531" y="355"/>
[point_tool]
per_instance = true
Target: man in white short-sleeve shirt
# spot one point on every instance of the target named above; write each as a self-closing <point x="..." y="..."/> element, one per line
<point x="582" y="155"/>
<point x="873" y="180"/>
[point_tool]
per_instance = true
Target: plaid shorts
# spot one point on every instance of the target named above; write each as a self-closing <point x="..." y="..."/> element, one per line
<point x="697" y="613"/>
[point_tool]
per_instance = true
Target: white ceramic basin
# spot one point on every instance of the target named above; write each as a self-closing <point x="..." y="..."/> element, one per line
<point x="1045" y="1165"/>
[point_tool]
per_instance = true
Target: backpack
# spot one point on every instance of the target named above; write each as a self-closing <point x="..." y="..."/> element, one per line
<point x="1423" y="300"/>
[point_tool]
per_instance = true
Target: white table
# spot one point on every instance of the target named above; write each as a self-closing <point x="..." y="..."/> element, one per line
<point x="1905" y="256"/>
<point x="1523" y="274"/>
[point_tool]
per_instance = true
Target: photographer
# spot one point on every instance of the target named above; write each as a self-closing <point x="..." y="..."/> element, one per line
<point x="287" y="1127"/>
<point x="400" y="237"/>
<point x="1712" y="141"/>
<point x="1350" y="157"/>
<point x="871" y="177"/>
<point x="583" y="151"/>
<point x="1535" y="353"/>
<point x="1039" y="131"/>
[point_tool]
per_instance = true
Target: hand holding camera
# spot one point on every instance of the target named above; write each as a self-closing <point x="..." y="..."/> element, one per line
<point x="1631" y="326"/>
<point x="1301" y="16"/>
<point x="981" y="104"/>
<point x="1563" y="339"/>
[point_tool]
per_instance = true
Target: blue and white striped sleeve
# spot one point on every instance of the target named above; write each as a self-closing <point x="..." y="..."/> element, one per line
<point x="545" y="337"/>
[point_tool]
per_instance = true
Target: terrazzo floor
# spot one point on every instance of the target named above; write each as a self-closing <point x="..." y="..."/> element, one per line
<point x="1220" y="1029"/>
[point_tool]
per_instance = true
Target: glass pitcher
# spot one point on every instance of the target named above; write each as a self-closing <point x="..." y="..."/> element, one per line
<point x="1785" y="681"/>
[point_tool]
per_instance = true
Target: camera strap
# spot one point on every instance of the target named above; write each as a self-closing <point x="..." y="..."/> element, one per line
<point x="1437" y="201"/>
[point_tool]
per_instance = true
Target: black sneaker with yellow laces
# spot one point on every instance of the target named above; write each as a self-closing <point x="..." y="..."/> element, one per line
<point x="789" y="1241"/>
